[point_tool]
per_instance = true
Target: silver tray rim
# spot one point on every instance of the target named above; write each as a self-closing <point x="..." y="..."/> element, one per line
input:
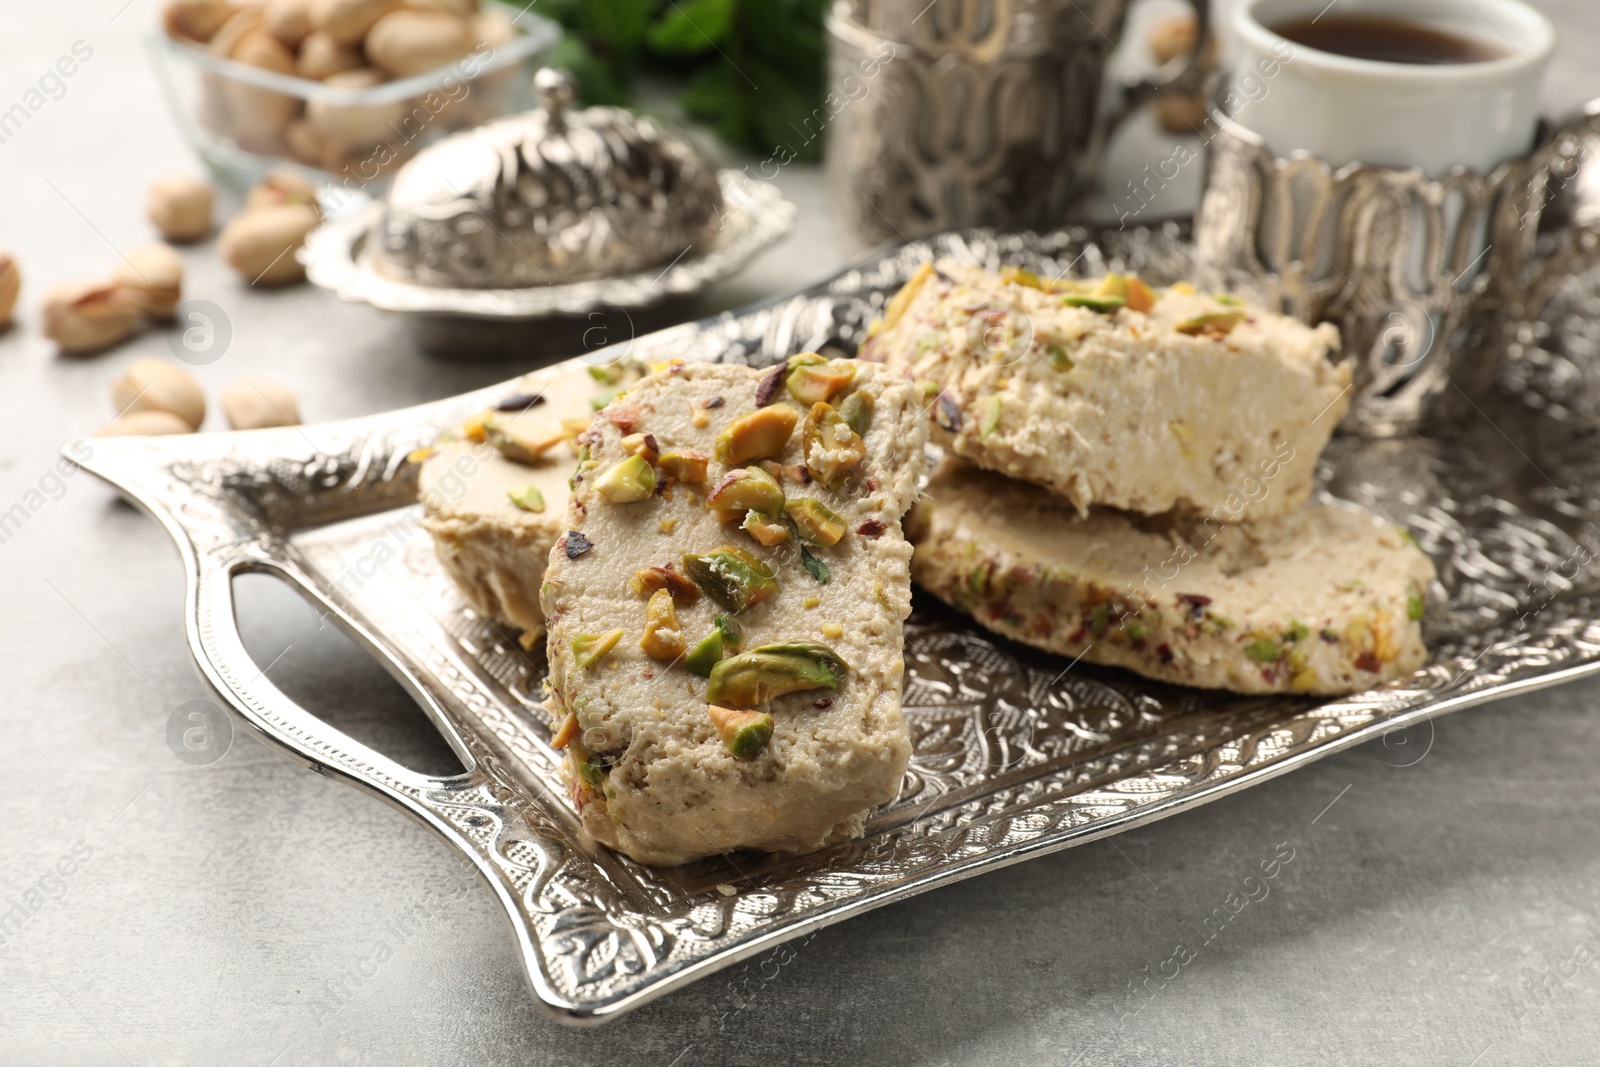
<point x="179" y="482"/>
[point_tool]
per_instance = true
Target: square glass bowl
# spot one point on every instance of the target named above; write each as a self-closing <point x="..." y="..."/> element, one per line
<point x="244" y="121"/>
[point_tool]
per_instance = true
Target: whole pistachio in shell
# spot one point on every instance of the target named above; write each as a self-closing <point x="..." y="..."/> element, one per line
<point x="10" y="286"/>
<point x="84" y="317"/>
<point x="282" y="187"/>
<point x="288" y="20"/>
<point x="461" y="8"/>
<point x="493" y="27"/>
<point x="144" y="424"/>
<point x="413" y="42"/>
<point x="179" y="206"/>
<point x="258" y="116"/>
<point x="321" y="57"/>
<point x="261" y="244"/>
<point x="347" y="21"/>
<point x="257" y="403"/>
<point x="198" y="20"/>
<point x="152" y="276"/>
<point x="156" y="385"/>
<point x="348" y="126"/>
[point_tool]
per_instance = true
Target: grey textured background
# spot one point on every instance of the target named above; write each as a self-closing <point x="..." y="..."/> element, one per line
<point x="1440" y="906"/>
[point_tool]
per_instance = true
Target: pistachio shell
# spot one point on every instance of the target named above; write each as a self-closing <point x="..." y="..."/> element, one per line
<point x="84" y="317"/>
<point x="321" y="57"/>
<point x="156" y="385"/>
<point x="144" y="424"/>
<point x="152" y="276"/>
<point x="347" y="21"/>
<point x="258" y="403"/>
<point x="179" y="206"/>
<point x="198" y="20"/>
<point x="10" y="287"/>
<point x="261" y="245"/>
<point x="412" y="42"/>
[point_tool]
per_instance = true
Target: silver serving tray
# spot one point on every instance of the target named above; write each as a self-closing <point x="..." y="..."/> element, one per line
<point x="1016" y="753"/>
<point x="756" y="215"/>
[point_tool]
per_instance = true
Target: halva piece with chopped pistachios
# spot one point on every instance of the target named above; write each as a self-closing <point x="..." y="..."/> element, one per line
<point x="494" y="492"/>
<point x="725" y="607"/>
<point x="1111" y="392"/>
<point x="1324" y="600"/>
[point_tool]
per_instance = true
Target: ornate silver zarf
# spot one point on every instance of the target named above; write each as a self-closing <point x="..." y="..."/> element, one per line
<point x="548" y="197"/>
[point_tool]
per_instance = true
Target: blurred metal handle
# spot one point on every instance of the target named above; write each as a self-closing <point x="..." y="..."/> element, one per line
<point x="1138" y="90"/>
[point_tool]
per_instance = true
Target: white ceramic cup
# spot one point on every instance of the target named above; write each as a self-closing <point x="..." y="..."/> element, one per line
<point x="1434" y="117"/>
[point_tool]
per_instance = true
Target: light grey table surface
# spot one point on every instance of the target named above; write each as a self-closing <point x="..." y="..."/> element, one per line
<point x="1442" y="912"/>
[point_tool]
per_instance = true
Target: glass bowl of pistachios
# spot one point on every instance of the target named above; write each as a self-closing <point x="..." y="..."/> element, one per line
<point x="345" y="90"/>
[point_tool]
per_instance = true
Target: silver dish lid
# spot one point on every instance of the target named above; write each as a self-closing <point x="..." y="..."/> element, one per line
<point x="548" y="197"/>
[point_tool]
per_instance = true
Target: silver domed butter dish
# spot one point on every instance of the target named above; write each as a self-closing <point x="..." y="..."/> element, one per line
<point x="556" y="212"/>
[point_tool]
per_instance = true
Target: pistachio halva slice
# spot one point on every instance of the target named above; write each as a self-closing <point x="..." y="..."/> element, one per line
<point x="1112" y="392"/>
<point x="494" y="491"/>
<point x="752" y="699"/>
<point x="1325" y="600"/>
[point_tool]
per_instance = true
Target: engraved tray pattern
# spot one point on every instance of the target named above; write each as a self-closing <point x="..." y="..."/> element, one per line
<point x="1016" y="752"/>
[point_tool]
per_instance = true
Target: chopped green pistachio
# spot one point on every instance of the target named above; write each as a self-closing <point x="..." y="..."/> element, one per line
<point x="747" y="489"/>
<point x="703" y="656"/>
<point x="988" y="415"/>
<point x="757" y="435"/>
<point x="732" y="634"/>
<point x="588" y="649"/>
<point x="812" y="378"/>
<point x="1414" y="606"/>
<point x="1099" y="616"/>
<point x="1136" y="630"/>
<point x="763" y="674"/>
<point x="1021" y="276"/>
<point x="765" y="529"/>
<point x="731" y="576"/>
<point x="1228" y="299"/>
<point x="814" y="566"/>
<point x="744" y="733"/>
<point x="685" y="466"/>
<point x="816" y="522"/>
<point x="518" y="444"/>
<point x="831" y="449"/>
<point x="856" y="410"/>
<point x="1264" y="650"/>
<point x="528" y="498"/>
<point x="1305" y="680"/>
<point x="628" y="482"/>
<point x="1217" y="324"/>
<point x="591" y="771"/>
<point x="604" y="399"/>
<point x="1102" y="304"/>
<point x="663" y="637"/>
<point x="647" y="581"/>
<point x="605" y="374"/>
<point x="1296" y="632"/>
<point x="1406" y="536"/>
<point x="1058" y="357"/>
